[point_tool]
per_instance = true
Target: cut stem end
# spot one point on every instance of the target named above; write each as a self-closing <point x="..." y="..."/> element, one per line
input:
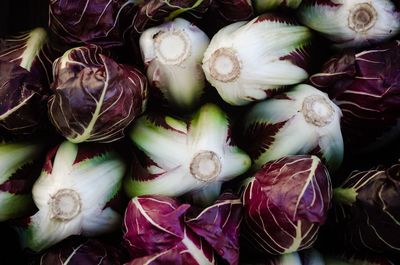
<point x="362" y="17"/>
<point x="65" y="205"/>
<point x="317" y="110"/>
<point x="224" y="65"/>
<point x="205" y="166"/>
<point x="172" y="47"/>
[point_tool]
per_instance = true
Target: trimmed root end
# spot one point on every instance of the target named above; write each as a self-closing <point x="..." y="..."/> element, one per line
<point x="362" y="17"/>
<point x="65" y="205"/>
<point x="172" y="47"/>
<point x="205" y="166"/>
<point x="317" y="110"/>
<point x="224" y="65"/>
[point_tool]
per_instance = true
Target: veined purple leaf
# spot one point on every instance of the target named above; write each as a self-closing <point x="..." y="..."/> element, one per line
<point x="143" y="224"/>
<point x="285" y="203"/>
<point x="80" y="251"/>
<point x="233" y="10"/>
<point x="152" y="12"/>
<point x="154" y="231"/>
<point x="89" y="22"/>
<point x="173" y="256"/>
<point x="365" y="85"/>
<point x="25" y="65"/>
<point x="32" y="51"/>
<point x="367" y="206"/>
<point x="219" y="225"/>
<point x="160" y="230"/>
<point x="95" y="98"/>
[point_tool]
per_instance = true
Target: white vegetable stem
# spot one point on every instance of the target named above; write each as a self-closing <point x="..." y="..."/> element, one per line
<point x="172" y="53"/>
<point x="194" y="156"/>
<point x="245" y="62"/>
<point x="304" y="120"/>
<point x="72" y="198"/>
<point x="352" y="23"/>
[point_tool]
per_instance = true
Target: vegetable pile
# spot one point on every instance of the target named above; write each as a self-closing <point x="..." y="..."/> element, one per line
<point x="201" y="132"/>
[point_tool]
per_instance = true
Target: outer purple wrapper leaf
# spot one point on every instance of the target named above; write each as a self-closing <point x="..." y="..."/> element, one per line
<point x="80" y="251"/>
<point x="219" y="226"/>
<point x="153" y="224"/>
<point x="91" y="80"/>
<point x="160" y="230"/>
<point x="21" y="103"/>
<point x="178" y="255"/>
<point x="366" y="86"/>
<point x="25" y="65"/>
<point x="371" y="222"/>
<point x="283" y="192"/>
<point x="169" y="257"/>
<point x="89" y="22"/>
<point x="153" y="12"/>
<point x="12" y="49"/>
<point x="234" y="10"/>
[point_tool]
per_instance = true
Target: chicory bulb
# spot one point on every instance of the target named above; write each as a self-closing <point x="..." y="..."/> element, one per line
<point x="23" y="81"/>
<point x="74" y="195"/>
<point x="301" y="121"/>
<point x="183" y="235"/>
<point x="183" y="156"/>
<point x="172" y="53"/>
<point x="95" y="98"/>
<point x="366" y="87"/>
<point x="248" y="61"/>
<point x="285" y="203"/>
<point x="19" y="168"/>
<point x="368" y="207"/>
<point x="351" y="23"/>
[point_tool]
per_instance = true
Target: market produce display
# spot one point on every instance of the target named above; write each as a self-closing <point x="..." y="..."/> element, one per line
<point x="200" y="132"/>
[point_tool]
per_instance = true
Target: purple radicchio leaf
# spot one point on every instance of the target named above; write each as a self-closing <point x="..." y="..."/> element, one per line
<point x="224" y="12"/>
<point x="169" y="232"/>
<point x="236" y="10"/>
<point x="152" y="12"/>
<point x="366" y="87"/>
<point x="76" y="250"/>
<point x="285" y="203"/>
<point x="164" y="224"/>
<point x="162" y="234"/>
<point x="95" y="98"/>
<point x="99" y="22"/>
<point x="219" y="225"/>
<point x="179" y="254"/>
<point x="367" y="207"/>
<point x="25" y="64"/>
